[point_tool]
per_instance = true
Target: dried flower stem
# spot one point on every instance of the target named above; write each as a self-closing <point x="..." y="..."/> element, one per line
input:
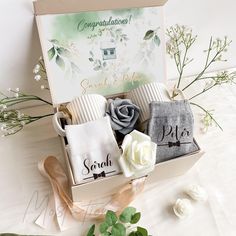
<point x="12" y="120"/>
<point x="220" y="47"/>
<point x="207" y="113"/>
<point x="180" y="41"/>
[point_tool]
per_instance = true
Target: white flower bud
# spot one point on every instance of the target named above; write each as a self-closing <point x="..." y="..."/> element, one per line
<point x="183" y="208"/>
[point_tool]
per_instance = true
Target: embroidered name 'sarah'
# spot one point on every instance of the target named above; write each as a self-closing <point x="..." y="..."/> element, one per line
<point x="90" y="167"/>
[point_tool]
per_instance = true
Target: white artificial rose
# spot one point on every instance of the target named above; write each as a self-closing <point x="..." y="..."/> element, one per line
<point x="139" y="154"/>
<point x="197" y="193"/>
<point x="183" y="208"/>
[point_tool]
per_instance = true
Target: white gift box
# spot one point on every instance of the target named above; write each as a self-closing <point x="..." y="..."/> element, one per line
<point x="130" y="51"/>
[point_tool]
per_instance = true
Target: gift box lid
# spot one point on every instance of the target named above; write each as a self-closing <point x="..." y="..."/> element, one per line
<point x="104" y="47"/>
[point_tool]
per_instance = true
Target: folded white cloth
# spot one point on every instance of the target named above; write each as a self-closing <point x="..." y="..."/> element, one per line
<point x="93" y="150"/>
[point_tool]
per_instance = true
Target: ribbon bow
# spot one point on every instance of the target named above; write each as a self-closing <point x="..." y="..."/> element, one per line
<point x="171" y="144"/>
<point x="102" y="174"/>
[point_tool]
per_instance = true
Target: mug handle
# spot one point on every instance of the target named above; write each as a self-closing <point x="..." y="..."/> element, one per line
<point x="56" y="123"/>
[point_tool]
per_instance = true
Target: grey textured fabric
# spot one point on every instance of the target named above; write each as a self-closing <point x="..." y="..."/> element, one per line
<point x="123" y="115"/>
<point x="171" y="128"/>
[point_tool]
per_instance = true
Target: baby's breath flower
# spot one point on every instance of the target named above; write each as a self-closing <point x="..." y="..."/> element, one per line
<point x="22" y="123"/>
<point x="3" y="107"/>
<point x="42" y="87"/>
<point x="12" y="120"/>
<point x="3" y="126"/>
<point x="37" y="77"/>
<point x="36" y="69"/>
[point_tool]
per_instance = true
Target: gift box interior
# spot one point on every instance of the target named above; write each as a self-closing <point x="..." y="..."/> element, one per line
<point x="80" y="42"/>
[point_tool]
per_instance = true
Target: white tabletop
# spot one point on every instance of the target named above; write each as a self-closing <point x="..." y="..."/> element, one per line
<point x="21" y="182"/>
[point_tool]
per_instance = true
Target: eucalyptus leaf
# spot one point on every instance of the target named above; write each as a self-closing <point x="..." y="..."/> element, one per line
<point x="138" y="234"/>
<point x="111" y="218"/>
<point x="60" y="62"/>
<point x="143" y="231"/>
<point x="135" y="218"/>
<point x="106" y="234"/>
<point x="132" y="234"/>
<point x="91" y="59"/>
<point x="127" y="214"/>
<point x="157" y="40"/>
<point x="149" y="34"/>
<point x="103" y="227"/>
<point x="118" y="230"/>
<point x="51" y="53"/>
<point x="91" y="231"/>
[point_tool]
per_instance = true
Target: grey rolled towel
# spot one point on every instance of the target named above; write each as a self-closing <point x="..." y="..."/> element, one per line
<point x="171" y="128"/>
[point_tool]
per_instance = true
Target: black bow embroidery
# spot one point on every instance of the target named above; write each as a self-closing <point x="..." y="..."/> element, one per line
<point x="102" y="174"/>
<point x="171" y="144"/>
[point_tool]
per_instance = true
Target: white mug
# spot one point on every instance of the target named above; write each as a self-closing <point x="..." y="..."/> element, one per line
<point x="143" y="95"/>
<point x="82" y="109"/>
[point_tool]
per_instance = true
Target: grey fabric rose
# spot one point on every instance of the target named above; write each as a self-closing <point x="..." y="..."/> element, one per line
<point x="123" y="115"/>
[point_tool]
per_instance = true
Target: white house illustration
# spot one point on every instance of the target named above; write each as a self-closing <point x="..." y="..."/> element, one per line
<point x="108" y="50"/>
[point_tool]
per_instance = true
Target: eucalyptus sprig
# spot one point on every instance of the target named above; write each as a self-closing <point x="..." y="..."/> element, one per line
<point x="122" y="225"/>
<point x="181" y="40"/>
<point x="11" y="119"/>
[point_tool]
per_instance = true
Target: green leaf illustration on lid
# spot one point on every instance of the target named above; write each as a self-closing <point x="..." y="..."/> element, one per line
<point x="60" y="62"/>
<point x="157" y="40"/>
<point x="51" y="53"/>
<point x="149" y="34"/>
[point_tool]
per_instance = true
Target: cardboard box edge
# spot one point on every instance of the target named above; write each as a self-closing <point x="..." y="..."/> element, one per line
<point x="42" y="7"/>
